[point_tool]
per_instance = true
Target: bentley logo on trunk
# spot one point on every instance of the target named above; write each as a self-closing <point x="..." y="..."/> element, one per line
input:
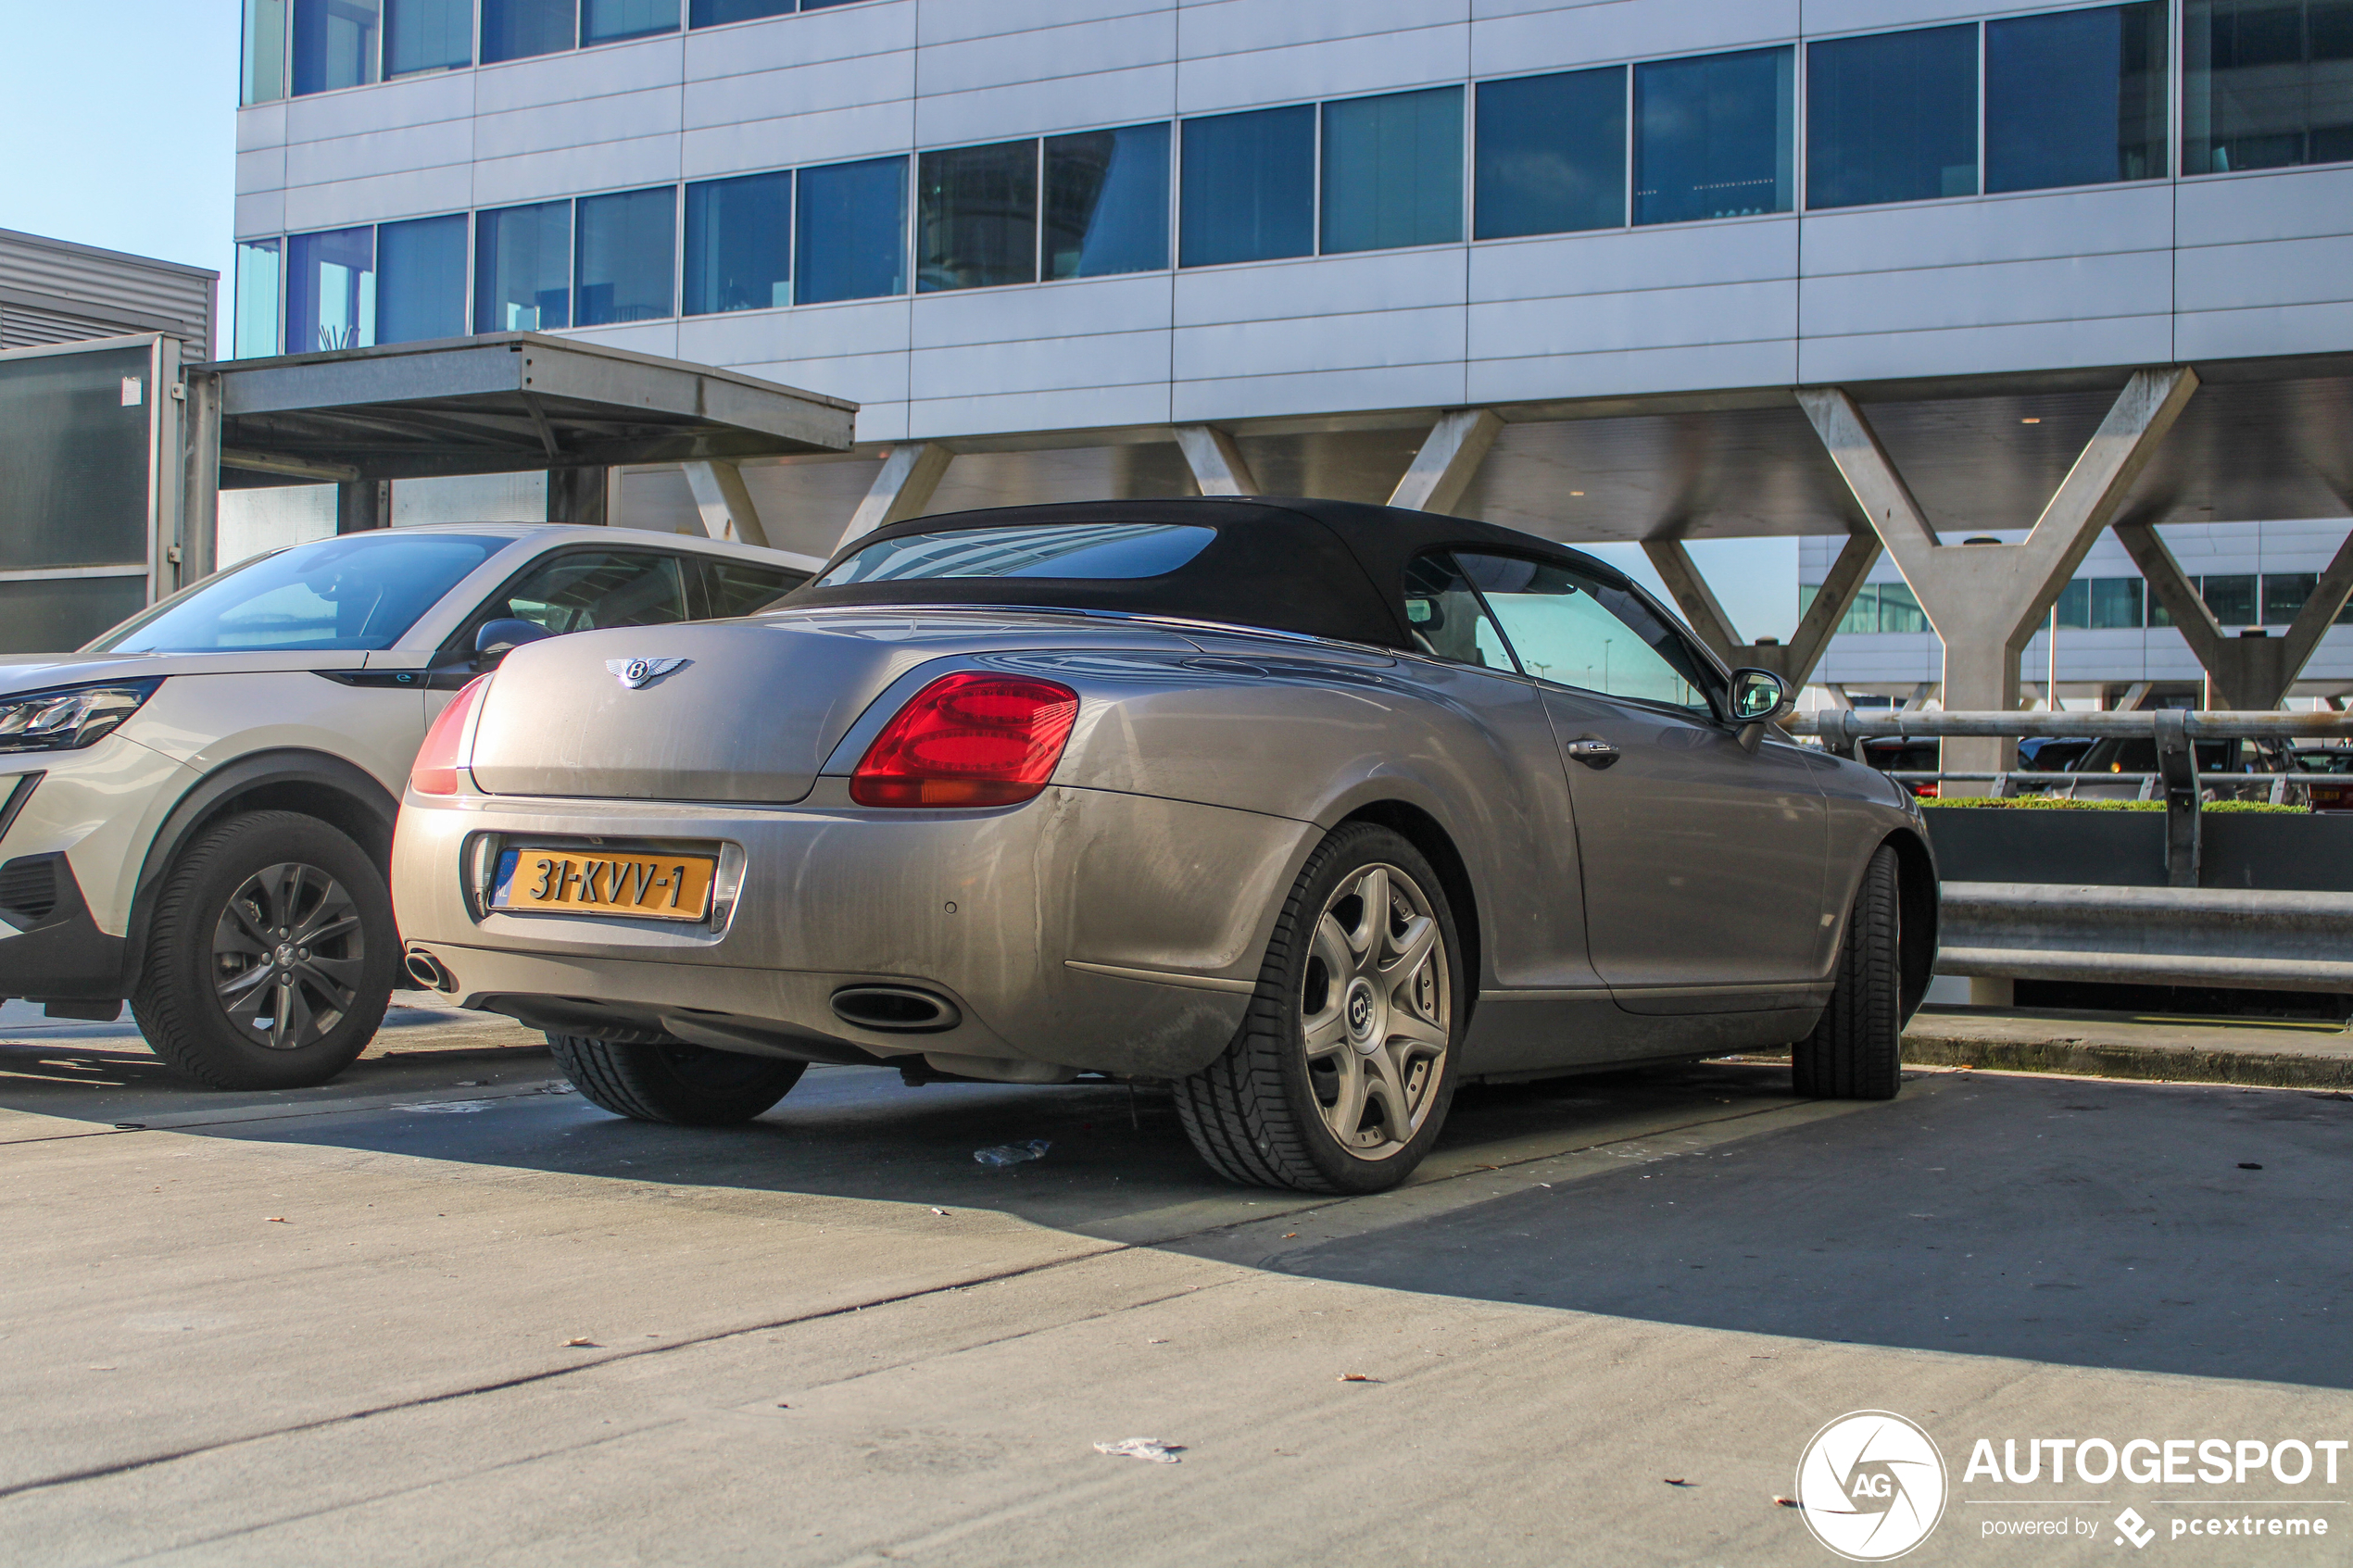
<point x="636" y="673"/>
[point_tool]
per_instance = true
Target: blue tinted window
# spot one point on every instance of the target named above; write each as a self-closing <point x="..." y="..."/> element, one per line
<point x="334" y="43"/>
<point x="739" y="244"/>
<point x="1107" y="202"/>
<point x="2266" y="84"/>
<point x="363" y="591"/>
<point x="257" y="320"/>
<point x="1097" y="551"/>
<point x="428" y="35"/>
<point x="602" y="21"/>
<point x="1891" y="117"/>
<point x="2076" y="98"/>
<point x="1715" y="137"/>
<point x="513" y="30"/>
<point x="331" y="290"/>
<point x="1551" y="154"/>
<point x="522" y="268"/>
<point x="421" y="279"/>
<point x="849" y="231"/>
<point x="1393" y="171"/>
<point x="1248" y="187"/>
<point x="711" y="13"/>
<point x="625" y="246"/>
<point x="976" y="217"/>
<point x="265" y="52"/>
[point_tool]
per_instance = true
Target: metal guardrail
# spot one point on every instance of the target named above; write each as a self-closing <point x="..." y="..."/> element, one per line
<point x="2148" y="935"/>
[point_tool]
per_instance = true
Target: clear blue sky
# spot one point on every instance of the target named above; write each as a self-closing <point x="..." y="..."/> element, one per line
<point x="119" y="126"/>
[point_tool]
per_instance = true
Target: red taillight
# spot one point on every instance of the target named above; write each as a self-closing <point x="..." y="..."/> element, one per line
<point x="1925" y="791"/>
<point x="435" y="769"/>
<point x="968" y="740"/>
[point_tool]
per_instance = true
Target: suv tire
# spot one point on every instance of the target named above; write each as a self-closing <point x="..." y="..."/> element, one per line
<point x="1856" y="1052"/>
<point x="692" y="1085"/>
<point x="270" y="954"/>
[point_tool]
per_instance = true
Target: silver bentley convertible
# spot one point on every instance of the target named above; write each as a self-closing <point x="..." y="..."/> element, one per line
<point x="1311" y="810"/>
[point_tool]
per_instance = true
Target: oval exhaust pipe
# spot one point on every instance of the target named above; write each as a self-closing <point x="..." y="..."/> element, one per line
<point x="901" y="1010"/>
<point x="428" y="970"/>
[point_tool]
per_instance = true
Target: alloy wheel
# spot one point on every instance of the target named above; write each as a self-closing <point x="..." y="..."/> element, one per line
<point x="288" y="956"/>
<point x="1376" y="1011"/>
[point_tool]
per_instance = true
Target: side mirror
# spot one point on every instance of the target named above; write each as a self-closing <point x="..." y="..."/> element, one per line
<point x="1759" y="697"/>
<point x="499" y="637"/>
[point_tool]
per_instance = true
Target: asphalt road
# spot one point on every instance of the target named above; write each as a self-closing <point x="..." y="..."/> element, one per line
<point x="445" y="1311"/>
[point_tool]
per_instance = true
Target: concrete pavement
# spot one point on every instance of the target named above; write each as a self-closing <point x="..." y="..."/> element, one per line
<point x="333" y="1324"/>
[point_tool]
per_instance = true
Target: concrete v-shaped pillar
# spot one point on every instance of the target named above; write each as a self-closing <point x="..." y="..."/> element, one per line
<point x="1986" y="601"/>
<point x="1217" y="463"/>
<point x="1448" y="461"/>
<point x="911" y="473"/>
<point x="2250" y="673"/>
<point x="723" y="502"/>
<point x="1793" y="660"/>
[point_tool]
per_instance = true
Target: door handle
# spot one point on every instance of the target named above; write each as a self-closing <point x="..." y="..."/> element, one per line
<point x="1592" y="753"/>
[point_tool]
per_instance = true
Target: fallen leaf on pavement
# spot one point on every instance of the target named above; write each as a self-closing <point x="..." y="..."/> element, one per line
<point x="1788" y="1502"/>
<point x="1152" y="1449"/>
<point x="582" y="1345"/>
<point x="1356" y="1378"/>
<point x="1675" y="1480"/>
<point x="277" y="1220"/>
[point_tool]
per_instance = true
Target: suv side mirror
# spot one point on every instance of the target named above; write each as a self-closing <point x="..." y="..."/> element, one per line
<point x="1759" y="697"/>
<point x="499" y="637"/>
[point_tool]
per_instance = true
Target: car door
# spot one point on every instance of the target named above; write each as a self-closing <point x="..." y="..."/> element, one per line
<point x="1704" y="860"/>
<point x="733" y="588"/>
<point x="572" y="590"/>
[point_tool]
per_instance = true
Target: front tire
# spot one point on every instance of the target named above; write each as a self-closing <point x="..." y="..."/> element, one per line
<point x="688" y="1085"/>
<point x="1855" y="1051"/>
<point x="270" y="954"/>
<point x="1343" y="1071"/>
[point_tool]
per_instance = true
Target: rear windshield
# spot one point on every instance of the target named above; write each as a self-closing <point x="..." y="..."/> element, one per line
<point x="1100" y="552"/>
<point x="360" y="592"/>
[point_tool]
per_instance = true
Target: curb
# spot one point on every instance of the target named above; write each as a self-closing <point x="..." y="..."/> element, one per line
<point x="2180" y="1064"/>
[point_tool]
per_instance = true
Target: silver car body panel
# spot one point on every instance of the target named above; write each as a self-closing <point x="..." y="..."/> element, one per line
<point x="1118" y="921"/>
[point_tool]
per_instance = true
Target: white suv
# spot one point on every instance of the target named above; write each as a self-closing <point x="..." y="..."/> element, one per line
<point x="197" y="809"/>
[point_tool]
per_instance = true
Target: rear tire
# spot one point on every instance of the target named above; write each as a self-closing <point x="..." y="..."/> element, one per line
<point x="1343" y="1071"/>
<point x="1855" y="1051"/>
<point x="270" y="957"/>
<point x="687" y="1086"/>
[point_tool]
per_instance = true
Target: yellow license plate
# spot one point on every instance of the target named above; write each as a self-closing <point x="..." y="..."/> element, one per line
<point x="575" y="881"/>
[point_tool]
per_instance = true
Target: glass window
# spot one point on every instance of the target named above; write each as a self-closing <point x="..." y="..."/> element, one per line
<point x="849" y="231"/>
<point x="976" y="217"/>
<point x="2074" y="609"/>
<point x="2285" y="592"/>
<point x="74" y="460"/>
<point x="1448" y="621"/>
<point x="421" y="279"/>
<point x="2158" y="614"/>
<point x="1107" y="202"/>
<point x="734" y="588"/>
<point x="1551" y="154"/>
<point x="2075" y="99"/>
<point x="63" y="613"/>
<point x="258" y="300"/>
<point x="627" y="241"/>
<point x="582" y="590"/>
<point x="711" y="13"/>
<point x="1891" y="117"/>
<point x="1393" y="171"/>
<point x="334" y="43"/>
<point x="265" y="52"/>
<point x="1093" y="552"/>
<point x="1899" y="610"/>
<point x="513" y="29"/>
<point x="1248" y="187"/>
<point x="331" y="290"/>
<point x="2267" y="84"/>
<point x="2231" y="597"/>
<point x="2116" y="604"/>
<point x="522" y="268"/>
<point x="1578" y="631"/>
<point x="428" y="35"/>
<point x="1716" y="136"/>
<point x="739" y="244"/>
<point x="605" y="21"/>
<point x="360" y="591"/>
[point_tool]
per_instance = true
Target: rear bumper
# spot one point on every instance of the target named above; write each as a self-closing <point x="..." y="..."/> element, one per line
<point x="1086" y="930"/>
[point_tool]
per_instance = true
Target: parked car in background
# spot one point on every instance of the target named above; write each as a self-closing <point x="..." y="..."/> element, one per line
<point x="197" y="809"/>
<point x="1312" y="809"/>
<point x="1903" y="754"/>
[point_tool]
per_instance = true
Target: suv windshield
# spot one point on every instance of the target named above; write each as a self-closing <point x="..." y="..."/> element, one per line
<point x="361" y="592"/>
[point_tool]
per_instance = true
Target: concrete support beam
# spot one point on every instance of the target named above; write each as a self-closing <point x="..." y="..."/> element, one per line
<point x="579" y="496"/>
<point x="1448" y="461"/>
<point x="1794" y="660"/>
<point x="362" y="504"/>
<point x="725" y="504"/>
<point x="2250" y="671"/>
<point x="1986" y="601"/>
<point x="1217" y="463"/>
<point x="911" y="473"/>
<point x="1695" y="599"/>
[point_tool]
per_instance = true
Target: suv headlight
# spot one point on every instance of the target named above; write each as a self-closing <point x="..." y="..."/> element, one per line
<point x="71" y="719"/>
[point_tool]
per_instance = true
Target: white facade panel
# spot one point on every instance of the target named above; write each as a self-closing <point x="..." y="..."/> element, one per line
<point x="2272" y="329"/>
<point x="264" y="168"/>
<point x="1069" y="103"/>
<point x="1042" y="53"/>
<point x="1770" y="362"/>
<point x="356" y="111"/>
<point x="437" y="145"/>
<point x="579" y="76"/>
<point x="2278" y="272"/>
<point x="1003" y="413"/>
<point x="1341" y="68"/>
<point x="1070" y="364"/>
<point x="1273" y="394"/>
<point x="2278" y="205"/>
<point x="416" y="193"/>
<point x="580" y="171"/>
<point x="1954" y="351"/>
<point x="1076" y="309"/>
<point x="263" y="125"/>
<point x="1722" y="314"/>
<point x="1320" y="343"/>
<point x="847" y="34"/>
<point x="2094" y="221"/>
<point x="261" y="214"/>
<point x="1236" y="26"/>
<point x="828" y="136"/>
<point x="1620" y="261"/>
<point x="1512" y="36"/>
<point x="616" y="116"/>
<point x="949" y="21"/>
<point x="749" y="97"/>
<point x="1989" y="294"/>
<point x="1336" y="285"/>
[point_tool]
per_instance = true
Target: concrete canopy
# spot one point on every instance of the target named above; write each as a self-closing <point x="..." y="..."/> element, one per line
<point x="500" y="403"/>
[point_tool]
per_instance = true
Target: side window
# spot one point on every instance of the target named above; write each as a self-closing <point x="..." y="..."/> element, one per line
<point x="583" y="590"/>
<point x="1578" y="631"/>
<point x="1446" y="618"/>
<point x="734" y="588"/>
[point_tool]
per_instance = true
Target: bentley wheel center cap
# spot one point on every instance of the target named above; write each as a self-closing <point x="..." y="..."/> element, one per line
<point x="1361" y="1012"/>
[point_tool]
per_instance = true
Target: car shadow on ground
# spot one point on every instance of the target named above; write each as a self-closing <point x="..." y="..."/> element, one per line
<point x="2056" y="1221"/>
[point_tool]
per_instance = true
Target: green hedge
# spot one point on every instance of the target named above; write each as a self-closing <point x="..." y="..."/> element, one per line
<point x="2059" y="803"/>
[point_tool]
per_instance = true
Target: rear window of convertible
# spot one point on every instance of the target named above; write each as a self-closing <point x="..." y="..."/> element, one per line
<point x="1092" y="551"/>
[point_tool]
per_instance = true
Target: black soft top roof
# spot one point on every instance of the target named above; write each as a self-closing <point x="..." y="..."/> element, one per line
<point x="1325" y="569"/>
